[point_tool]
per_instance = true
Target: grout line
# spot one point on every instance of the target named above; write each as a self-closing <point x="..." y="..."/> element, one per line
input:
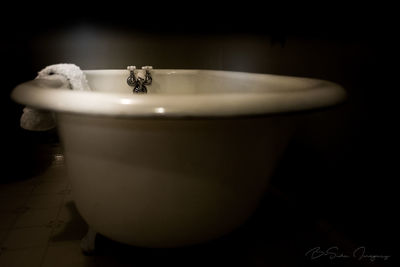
<point x="11" y="227"/>
<point x="22" y="248"/>
<point x="53" y="229"/>
<point x="36" y="181"/>
<point x="18" y="213"/>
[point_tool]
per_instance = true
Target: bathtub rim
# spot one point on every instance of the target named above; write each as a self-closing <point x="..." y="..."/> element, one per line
<point x="320" y="94"/>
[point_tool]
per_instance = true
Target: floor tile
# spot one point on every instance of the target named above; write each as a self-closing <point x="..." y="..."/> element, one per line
<point x="7" y="220"/>
<point x="67" y="255"/>
<point x="69" y="198"/>
<point x="44" y="201"/>
<point x="36" y="217"/>
<point x="12" y="203"/>
<point x="27" y="237"/>
<point x="54" y="173"/>
<point x="20" y="188"/>
<point x="3" y="234"/>
<point x="50" y="187"/>
<point x="66" y="232"/>
<point x="29" y="257"/>
<point x="69" y="212"/>
<point x="70" y="225"/>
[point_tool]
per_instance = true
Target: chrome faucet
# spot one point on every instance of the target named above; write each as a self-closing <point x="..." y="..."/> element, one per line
<point x="140" y="81"/>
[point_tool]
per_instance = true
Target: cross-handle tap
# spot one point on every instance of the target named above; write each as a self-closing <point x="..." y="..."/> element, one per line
<point x="132" y="78"/>
<point x="142" y="79"/>
<point x="148" y="79"/>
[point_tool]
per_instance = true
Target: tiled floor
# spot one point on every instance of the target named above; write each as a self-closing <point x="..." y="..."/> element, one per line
<point x="40" y="227"/>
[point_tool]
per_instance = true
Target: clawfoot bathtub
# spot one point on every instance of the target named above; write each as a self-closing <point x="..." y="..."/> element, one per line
<point x="186" y="163"/>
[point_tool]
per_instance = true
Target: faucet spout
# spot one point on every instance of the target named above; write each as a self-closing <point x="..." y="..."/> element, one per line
<point x="139" y="81"/>
<point x="140" y="86"/>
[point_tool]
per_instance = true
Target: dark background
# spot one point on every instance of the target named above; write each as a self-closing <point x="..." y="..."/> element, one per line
<point x="341" y="166"/>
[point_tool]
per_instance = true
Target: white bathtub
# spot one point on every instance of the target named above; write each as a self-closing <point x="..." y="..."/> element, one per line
<point x="186" y="163"/>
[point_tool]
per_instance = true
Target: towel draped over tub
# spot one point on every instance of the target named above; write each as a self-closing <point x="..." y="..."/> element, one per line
<point x="71" y="76"/>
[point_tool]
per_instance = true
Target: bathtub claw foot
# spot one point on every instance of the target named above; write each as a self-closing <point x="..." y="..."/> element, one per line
<point x="88" y="242"/>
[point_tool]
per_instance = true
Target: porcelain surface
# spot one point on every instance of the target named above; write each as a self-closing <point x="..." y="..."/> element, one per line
<point x="184" y="93"/>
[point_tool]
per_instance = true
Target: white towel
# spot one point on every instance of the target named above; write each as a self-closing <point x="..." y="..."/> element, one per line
<point x="71" y="76"/>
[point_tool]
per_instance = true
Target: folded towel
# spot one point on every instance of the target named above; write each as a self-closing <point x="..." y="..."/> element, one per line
<point x="71" y="77"/>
